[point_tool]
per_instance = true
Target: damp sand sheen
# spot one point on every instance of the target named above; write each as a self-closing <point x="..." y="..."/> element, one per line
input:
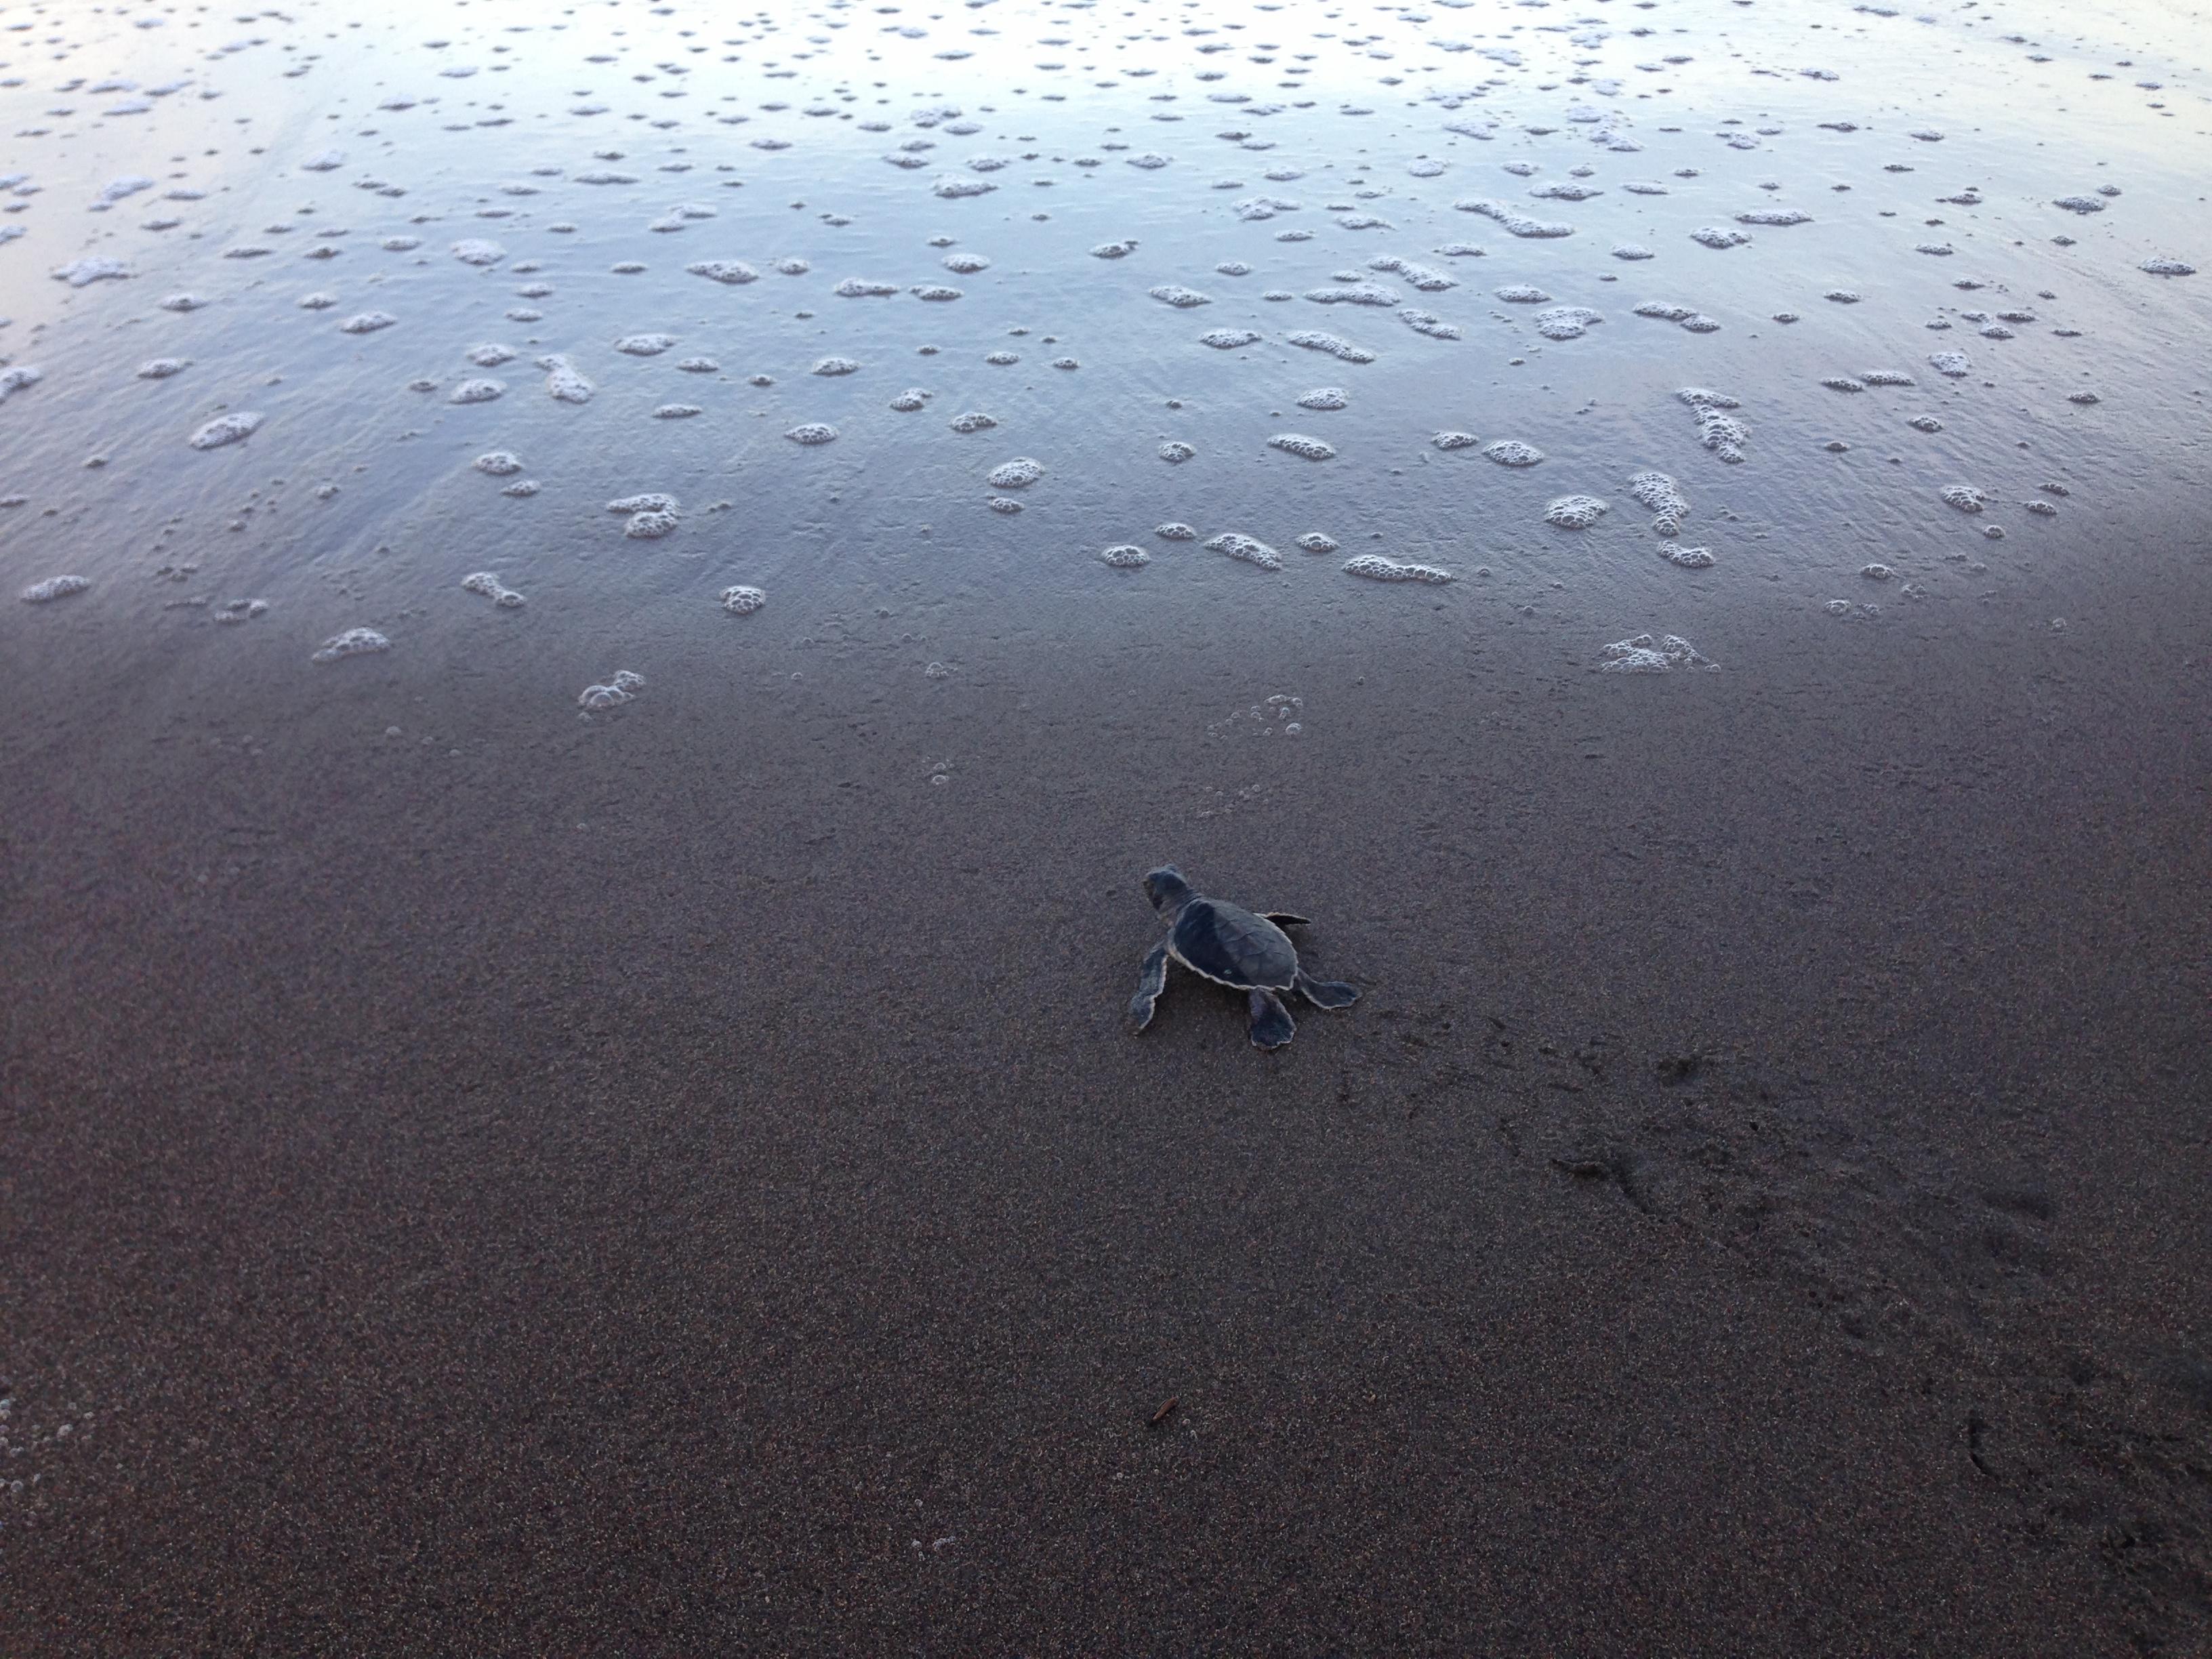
<point x="767" y="513"/>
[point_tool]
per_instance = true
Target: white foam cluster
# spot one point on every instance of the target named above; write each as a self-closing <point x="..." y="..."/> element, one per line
<point x="1314" y="340"/>
<point x="810" y="432"/>
<point x="1125" y="557"/>
<point x="1019" y="473"/>
<point x="1514" y="222"/>
<point x="1355" y="293"/>
<point x="1575" y="512"/>
<point x="623" y="688"/>
<point x="742" y="601"/>
<point x="234" y="427"/>
<point x="1250" y="549"/>
<point x="485" y="583"/>
<point x="1450" y="440"/>
<point x="1565" y="322"/>
<point x="644" y="345"/>
<point x="1646" y="655"/>
<point x="1964" y="497"/>
<point x="1175" y="294"/>
<point x="1418" y="277"/>
<point x="92" y="268"/>
<point x="1376" y="568"/>
<point x="1297" y="443"/>
<point x="1175" y="532"/>
<point x="353" y="642"/>
<point x="54" y="588"/>
<point x="1230" y="339"/>
<point x="973" y="421"/>
<point x="498" y="463"/>
<point x="1664" y="497"/>
<point x="1718" y="431"/>
<point x="564" y="380"/>
<point x="1690" y="558"/>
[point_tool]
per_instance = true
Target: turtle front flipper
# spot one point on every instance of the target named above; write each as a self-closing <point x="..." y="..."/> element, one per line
<point x="1150" y="984"/>
<point x="1272" y="1025"/>
<point x="1285" y="919"/>
<point x="1325" y="993"/>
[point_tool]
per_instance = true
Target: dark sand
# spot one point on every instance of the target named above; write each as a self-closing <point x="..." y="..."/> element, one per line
<point x="1757" y="1206"/>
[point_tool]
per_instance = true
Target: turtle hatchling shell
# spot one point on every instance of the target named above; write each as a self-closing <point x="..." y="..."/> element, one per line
<point x="1233" y="946"/>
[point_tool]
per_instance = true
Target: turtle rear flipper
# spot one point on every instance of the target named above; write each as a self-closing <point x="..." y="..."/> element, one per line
<point x="1285" y="919"/>
<point x="1325" y="993"/>
<point x="1149" y="983"/>
<point x="1272" y="1025"/>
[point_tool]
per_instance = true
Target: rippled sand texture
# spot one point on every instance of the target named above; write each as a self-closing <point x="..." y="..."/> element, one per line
<point x="602" y="607"/>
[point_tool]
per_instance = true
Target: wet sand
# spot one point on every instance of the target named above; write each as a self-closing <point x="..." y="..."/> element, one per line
<point x="484" y="1175"/>
<point x="682" y="1185"/>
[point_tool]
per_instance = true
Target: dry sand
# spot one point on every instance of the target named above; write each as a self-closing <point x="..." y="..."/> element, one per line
<point x="681" y="1185"/>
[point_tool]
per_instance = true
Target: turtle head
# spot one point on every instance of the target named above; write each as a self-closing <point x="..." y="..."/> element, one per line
<point x="1167" y="890"/>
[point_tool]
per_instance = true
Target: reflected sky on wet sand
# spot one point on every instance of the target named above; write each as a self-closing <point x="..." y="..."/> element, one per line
<point x="817" y="285"/>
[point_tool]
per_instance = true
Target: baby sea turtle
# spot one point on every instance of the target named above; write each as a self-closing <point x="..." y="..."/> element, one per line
<point x="1245" y="952"/>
